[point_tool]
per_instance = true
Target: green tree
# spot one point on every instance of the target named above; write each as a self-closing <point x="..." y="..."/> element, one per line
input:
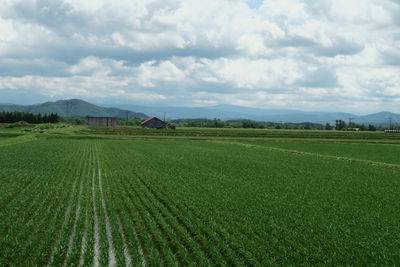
<point x="328" y="126"/>
<point x="340" y="125"/>
<point x="371" y="128"/>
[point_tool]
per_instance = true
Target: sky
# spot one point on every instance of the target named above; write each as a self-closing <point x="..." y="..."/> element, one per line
<point x="325" y="55"/>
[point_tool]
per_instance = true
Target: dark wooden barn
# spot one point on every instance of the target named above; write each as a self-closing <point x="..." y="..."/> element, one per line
<point x="153" y="122"/>
<point x="102" y="121"/>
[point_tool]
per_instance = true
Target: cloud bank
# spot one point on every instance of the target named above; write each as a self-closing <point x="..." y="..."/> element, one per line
<point x="304" y="54"/>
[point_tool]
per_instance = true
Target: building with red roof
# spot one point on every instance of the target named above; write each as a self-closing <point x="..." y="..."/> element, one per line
<point x="153" y="122"/>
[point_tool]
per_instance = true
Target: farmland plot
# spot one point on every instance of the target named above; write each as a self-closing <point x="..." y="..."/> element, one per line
<point x="387" y="153"/>
<point x="148" y="202"/>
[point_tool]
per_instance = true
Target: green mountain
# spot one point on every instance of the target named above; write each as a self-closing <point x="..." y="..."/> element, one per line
<point x="73" y="108"/>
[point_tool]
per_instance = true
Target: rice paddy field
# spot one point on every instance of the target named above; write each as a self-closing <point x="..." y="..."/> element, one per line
<point x="107" y="197"/>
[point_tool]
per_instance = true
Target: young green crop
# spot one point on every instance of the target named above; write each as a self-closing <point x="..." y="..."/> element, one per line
<point x="387" y="153"/>
<point x="94" y="202"/>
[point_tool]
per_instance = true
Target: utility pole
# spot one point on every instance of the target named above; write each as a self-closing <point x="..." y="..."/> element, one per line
<point x="127" y="118"/>
<point x="164" y="116"/>
<point x="390" y="123"/>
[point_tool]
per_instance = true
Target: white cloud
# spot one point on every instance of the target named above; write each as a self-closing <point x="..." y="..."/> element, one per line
<point x="276" y="53"/>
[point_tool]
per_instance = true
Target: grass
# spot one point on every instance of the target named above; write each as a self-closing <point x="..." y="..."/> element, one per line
<point x="387" y="153"/>
<point x="16" y="140"/>
<point x="222" y="200"/>
<point x="239" y="132"/>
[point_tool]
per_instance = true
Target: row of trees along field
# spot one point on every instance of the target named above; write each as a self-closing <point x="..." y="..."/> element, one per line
<point x="342" y="125"/>
<point x="11" y="117"/>
<point x="216" y="123"/>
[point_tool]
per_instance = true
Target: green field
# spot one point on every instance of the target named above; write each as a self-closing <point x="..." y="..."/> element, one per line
<point x="244" y="133"/>
<point x="130" y="197"/>
<point x="386" y="153"/>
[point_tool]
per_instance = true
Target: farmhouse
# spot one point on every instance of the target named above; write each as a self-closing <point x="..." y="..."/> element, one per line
<point x="153" y="122"/>
<point x="102" y="121"/>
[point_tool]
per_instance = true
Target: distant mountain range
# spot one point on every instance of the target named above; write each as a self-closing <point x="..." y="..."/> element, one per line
<point x="230" y="112"/>
<point x="80" y="108"/>
<point x="73" y="108"/>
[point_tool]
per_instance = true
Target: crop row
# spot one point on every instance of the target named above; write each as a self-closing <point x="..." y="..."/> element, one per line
<point x="247" y="206"/>
<point x="153" y="203"/>
<point x="227" y="132"/>
<point x="387" y="153"/>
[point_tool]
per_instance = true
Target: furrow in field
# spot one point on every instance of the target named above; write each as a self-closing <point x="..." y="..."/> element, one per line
<point x="229" y="252"/>
<point x="45" y="230"/>
<point x="78" y="215"/>
<point x="201" y="238"/>
<point x="63" y="233"/>
<point x="233" y="248"/>
<point x="161" y="235"/>
<point x="148" y="245"/>
<point x="115" y="215"/>
<point x="184" y="239"/>
<point x="27" y="202"/>
<point x="179" y="237"/>
<point x="140" y="243"/>
<point x="197" y="242"/>
<point x="112" y="261"/>
<point x="170" y="249"/>
<point x="36" y="229"/>
<point x="66" y="215"/>
<point x="90" y="249"/>
<point x="81" y="250"/>
<point x="51" y="228"/>
<point x="127" y="256"/>
<point x="226" y="248"/>
<point x="160" y="248"/>
<point x="218" y="234"/>
<point x="77" y="237"/>
<point x="84" y="241"/>
<point x="96" y="233"/>
<point x="131" y="245"/>
<point x="27" y="230"/>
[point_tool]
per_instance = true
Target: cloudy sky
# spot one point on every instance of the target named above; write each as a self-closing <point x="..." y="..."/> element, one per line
<point x="331" y="55"/>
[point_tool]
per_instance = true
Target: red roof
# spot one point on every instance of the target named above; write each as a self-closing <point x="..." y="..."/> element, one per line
<point x="147" y="120"/>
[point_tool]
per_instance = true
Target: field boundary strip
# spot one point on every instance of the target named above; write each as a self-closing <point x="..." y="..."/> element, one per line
<point x="18" y="140"/>
<point x="303" y="153"/>
<point x="112" y="261"/>
<point x="96" y="230"/>
<point x="112" y="206"/>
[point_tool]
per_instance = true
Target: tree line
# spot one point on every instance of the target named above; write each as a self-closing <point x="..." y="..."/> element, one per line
<point x="339" y="125"/>
<point x="16" y="116"/>
<point x="342" y="125"/>
<point x="217" y="123"/>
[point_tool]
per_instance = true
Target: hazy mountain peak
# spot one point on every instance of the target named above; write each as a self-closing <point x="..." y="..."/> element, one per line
<point x="81" y="108"/>
<point x="74" y="108"/>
